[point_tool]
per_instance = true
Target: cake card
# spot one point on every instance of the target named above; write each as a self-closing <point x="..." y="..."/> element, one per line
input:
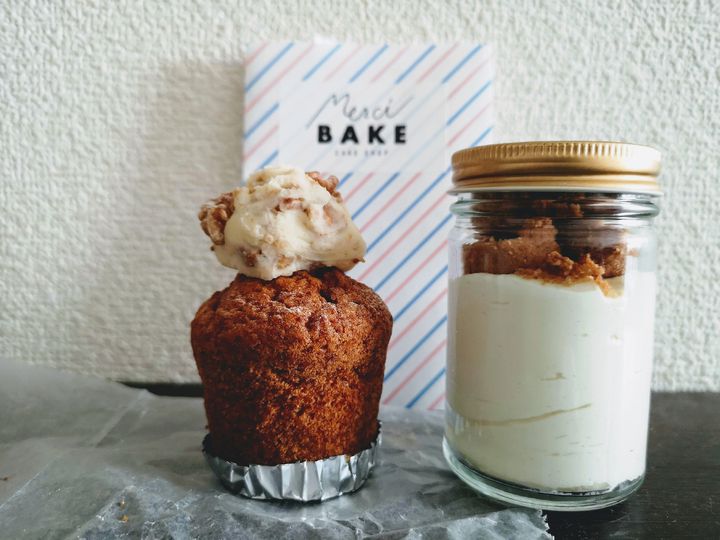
<point x="385" y="120"/>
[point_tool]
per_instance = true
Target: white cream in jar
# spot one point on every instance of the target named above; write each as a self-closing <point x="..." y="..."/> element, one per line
<point x="548" y="385"/>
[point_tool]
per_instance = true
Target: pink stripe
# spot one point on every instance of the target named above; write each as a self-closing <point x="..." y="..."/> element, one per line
<point x="414" y="372"/>
<point x="472" y="120"/>
<point x="466" y="79"/>
<point x="415" y="272"/>
<point x="260" y="143"/>
<point x="261" y="94"/>
<point x="389" y="202"/>
<point x="356" y="188"/>
<point x="416" y="319"/>
<point x="437" y="63"/>
<point x="255" y="53"/>
<point x="390" y="63"/>
<point x="401" y="238"/>
<point x="437" y="401"/>
<point x="342" y="64"/>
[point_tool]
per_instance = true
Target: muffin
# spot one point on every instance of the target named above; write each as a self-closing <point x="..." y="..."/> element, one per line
<point x="292" y="353"/>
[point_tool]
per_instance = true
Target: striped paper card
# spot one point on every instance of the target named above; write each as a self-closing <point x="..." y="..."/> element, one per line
<point x="384" y="119"/>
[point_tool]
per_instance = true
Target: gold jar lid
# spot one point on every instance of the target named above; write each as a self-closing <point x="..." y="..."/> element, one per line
<point x="557" y="166"/>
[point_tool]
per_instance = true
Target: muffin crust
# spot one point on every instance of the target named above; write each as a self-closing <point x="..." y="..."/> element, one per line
<point x="293" y="367"/>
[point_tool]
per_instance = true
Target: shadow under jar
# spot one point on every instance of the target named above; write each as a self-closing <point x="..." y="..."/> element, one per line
<point x="551" y="312"/>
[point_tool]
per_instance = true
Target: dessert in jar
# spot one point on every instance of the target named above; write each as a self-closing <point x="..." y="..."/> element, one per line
<point x="550" y="333"/>
<point x="292" y="353"/>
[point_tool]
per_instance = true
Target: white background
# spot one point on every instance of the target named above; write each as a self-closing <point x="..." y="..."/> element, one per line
<point x="118" y="119"/>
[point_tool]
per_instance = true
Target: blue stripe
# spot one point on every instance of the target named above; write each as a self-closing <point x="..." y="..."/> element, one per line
<point x="270" y="64"/>
<point x="421" y="104"/>
<point x="321" y="62"/>
<point x="482" y="136"/>
<point x="367" y="64"/>
<point x="269" y="159"/>
<point x="415" y="64"/>
<point x="261" y="119"/>
<point x="420" y="151"/>
<point x="420" y="293"/>
<point x="468" y="102"/>
<point x="415" y="348"/>
<point x="454" y="70"/>
<point x="417" y="248"/>
<point x="427" y="387"/>
<point x="344" y="179"/>
<point x="375" y="195"/>
<point x="408" y="209"/>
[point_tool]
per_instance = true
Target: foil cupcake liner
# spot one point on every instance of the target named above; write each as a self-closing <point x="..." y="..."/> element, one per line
<point x="304" y="481"/>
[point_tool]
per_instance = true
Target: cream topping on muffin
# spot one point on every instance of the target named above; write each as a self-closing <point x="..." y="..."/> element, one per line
<point x="283" y="220"/>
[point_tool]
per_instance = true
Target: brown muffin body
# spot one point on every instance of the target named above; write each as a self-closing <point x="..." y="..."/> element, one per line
<point x="292" y="368"/>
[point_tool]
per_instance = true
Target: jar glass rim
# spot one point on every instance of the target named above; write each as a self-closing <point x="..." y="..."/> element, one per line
<point x="604" y="205"/>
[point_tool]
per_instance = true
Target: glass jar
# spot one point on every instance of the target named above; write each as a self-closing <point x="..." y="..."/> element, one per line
<point x="550" y="332"/>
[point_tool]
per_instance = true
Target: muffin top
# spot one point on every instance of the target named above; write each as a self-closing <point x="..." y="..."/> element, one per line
<point x="292" y="314"/>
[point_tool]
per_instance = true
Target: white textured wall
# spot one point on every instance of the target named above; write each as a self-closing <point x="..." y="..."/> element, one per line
<point x="118" y="118"/>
